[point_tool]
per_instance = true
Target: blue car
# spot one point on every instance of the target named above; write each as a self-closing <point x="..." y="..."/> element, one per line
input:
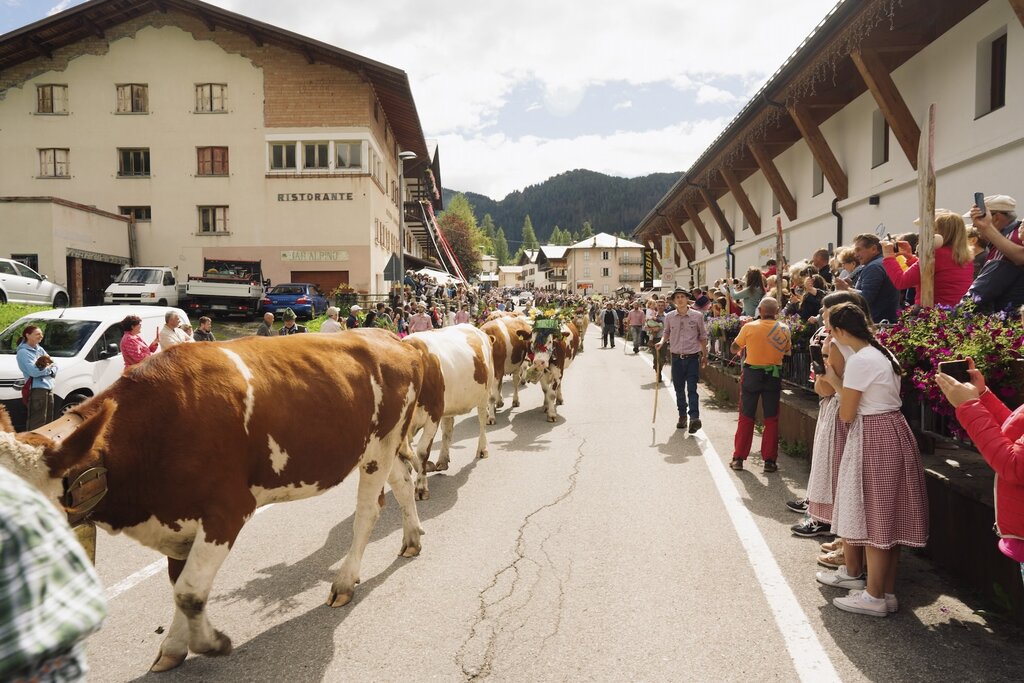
<point x="305" y="300"/>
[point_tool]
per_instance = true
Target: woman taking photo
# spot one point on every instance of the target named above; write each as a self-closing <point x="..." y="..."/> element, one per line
<point x="954" y="265"/>
<point x="753" y="291"/>
<point x="38" y="369"/>
<point x="133" y="349"/>
<point x="880" y="501"/>
<point x="999" y="435"/>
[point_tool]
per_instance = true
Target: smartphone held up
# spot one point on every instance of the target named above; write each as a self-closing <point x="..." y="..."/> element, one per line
<point x="957" y="369"/>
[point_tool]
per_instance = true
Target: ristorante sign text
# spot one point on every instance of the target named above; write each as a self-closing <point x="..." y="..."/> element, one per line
<point x="315" y="197"/>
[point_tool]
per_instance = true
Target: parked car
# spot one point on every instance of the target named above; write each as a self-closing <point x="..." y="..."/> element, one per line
<point x="19" y="284"/>
<point x="303" y="298"/>
<point x="85" y="345"/>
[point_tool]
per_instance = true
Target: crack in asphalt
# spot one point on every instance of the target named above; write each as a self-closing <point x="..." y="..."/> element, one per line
<point x="485" y="623"/>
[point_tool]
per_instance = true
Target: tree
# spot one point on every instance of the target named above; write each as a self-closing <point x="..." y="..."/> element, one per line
<point x="587" y="231"/>
<point x="575" y="237"/>
<point x="501" y="248"/>
<point x="529" y="236"/>
<point x="515" y="257"/>
<point x="462" y="240"/>
<point x="459" y="206"/>
<point x="488" y="229"/>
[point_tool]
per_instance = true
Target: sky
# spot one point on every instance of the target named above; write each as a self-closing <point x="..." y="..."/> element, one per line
<point x="515" y="93"/>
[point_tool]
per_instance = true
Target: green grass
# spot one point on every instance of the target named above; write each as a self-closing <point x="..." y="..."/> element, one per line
<point x="227" y="329"/>
<point x="11" y="312"/>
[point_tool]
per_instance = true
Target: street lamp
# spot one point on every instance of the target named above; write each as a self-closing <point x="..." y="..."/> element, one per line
<point x="402" y="158"/>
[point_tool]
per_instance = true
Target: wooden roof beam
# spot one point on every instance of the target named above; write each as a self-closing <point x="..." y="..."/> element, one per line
<point x="719" y="216"/>
<point x="255" y="37"/>
<point x="39" y="47"/>
<point x="653" y="246"/>
<point x="822" y="153"/>
<point x="742" y="199"/>
<point x="875" y="74"/>
<point x="702" y="230"/>
<point x="1018" y="7"/>
<point x="681" y="239"/>
<point x="774" y="178"/>
<point x="92" y="27"/>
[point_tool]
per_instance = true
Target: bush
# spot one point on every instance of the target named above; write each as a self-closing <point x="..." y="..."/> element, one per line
<point x="11" y="312"/>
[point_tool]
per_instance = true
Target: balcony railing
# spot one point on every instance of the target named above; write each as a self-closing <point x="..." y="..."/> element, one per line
<point x="557" y="278"/>
<point x="631" y="277"/>
<point x="631" y="260"/>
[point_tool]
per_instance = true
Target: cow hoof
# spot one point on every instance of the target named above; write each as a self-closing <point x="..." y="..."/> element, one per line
<point x="515" y="404"/>
<point x="166" y="663"/>
<point x="558" y="402"/>
<point x="441" y="466"/>
<point x="339" y="599"/>
<point x="220" y="647"/>
<point x="551" y="418"/>
<point x="491" y="421"/>
<point x="482" y="454"/>
<point x="500" y="404"/>
<point x="410" y="551"/>
<point x="429" y="466"/>
<point x="423" y="495"/>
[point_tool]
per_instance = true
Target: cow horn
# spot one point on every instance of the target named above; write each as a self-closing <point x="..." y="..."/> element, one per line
<point x="79" y="444"/>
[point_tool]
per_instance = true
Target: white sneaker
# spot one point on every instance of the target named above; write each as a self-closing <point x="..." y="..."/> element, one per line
<point x="840" y="579"/>
<point x="861" y="602"/>
<point x="892" y="604"/>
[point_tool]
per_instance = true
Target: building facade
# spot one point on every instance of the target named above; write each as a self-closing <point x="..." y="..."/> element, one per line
<point x="222" y="137"/>
<point x="604" y="263"/>
<point x="830" y="144"/>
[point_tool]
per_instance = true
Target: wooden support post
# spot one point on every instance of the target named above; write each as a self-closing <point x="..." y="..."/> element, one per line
<point x="872" y="69"/>
<point x="822" y="153"/>
<point x="742" y="199"/>
<point x="774" y="178"/>
<point x="926" y="202"/>
<point x="681" y="239"/>
<point x="705" y="237"/>
<point x="716" y="212"/>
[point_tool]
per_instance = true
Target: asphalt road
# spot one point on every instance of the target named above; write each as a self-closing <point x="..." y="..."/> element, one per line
<point x="597" y="548"/>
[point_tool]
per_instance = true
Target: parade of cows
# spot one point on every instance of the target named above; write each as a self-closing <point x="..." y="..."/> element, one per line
<point x="389" y="396"/>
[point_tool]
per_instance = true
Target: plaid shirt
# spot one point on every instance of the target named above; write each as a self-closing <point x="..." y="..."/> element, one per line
<point x="50" y="595"/>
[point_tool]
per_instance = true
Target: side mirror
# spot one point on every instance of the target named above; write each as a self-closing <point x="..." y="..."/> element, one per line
<point x="43" y="277"/>
<point x="111" y="351"/>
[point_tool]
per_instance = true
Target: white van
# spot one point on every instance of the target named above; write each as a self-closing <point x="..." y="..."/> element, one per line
<point x="85" y="345"/>
<point x="146" y="286"/>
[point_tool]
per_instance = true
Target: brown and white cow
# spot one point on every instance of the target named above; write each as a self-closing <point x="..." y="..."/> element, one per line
<point x="277" y="419"/>
<point x="510" y="337"/>
<point x="459" y="358"/>
<point x="551" y="355"/>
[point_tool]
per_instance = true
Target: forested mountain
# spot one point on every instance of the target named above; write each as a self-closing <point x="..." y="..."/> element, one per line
<point x="611" y="204"/>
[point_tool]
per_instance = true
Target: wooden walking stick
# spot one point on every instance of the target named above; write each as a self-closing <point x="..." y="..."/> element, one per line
<point x="778" y="260"/>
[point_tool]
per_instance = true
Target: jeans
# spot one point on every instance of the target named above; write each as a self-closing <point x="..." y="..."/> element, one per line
<point x="608" y="335"/>
<point x="637" y="333"/>
<point x="685" y="373"/>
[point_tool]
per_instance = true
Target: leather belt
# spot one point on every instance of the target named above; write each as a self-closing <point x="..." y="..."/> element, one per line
<point x="686" y="355"/>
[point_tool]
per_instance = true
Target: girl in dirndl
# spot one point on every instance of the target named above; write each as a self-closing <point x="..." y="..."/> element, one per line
<point x="880" y="501"/>
<point x="829" y="440"/>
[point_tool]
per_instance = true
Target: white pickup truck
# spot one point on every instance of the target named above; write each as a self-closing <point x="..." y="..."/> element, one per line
<point x="226" y="287"/>
<point x="145" y="285"/>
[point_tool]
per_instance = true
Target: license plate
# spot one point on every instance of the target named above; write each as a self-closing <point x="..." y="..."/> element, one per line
<point x="218" y="307"/>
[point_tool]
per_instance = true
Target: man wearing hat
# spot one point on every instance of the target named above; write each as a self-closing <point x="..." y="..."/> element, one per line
<point x="331" y="324"/>
<point x="420" y="321"/>
<point x="352" y="321"/>
<point x="1000" y="284"/>
<point x="289" y="326"/>
<point x="687" y="340"/>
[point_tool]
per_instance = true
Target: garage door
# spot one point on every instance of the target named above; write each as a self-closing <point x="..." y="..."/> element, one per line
<point x="326" y="280"/>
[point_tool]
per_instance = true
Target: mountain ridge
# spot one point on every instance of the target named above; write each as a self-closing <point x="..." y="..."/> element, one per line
<point x="612" y="204"/>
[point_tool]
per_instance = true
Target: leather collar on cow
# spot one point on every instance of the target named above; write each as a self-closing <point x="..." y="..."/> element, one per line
<point x="85" y="484"/>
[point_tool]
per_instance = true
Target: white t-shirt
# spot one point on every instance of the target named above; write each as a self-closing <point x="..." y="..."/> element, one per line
<point x="330" y="325"/>
<point x="870" y="372"/>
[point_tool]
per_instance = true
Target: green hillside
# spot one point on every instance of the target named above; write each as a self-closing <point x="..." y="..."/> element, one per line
<point x="611" y="204"/>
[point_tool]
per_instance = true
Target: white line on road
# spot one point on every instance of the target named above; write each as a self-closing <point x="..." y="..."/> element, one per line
<point x="809" y="657"/>
<point x="133" y="580"/>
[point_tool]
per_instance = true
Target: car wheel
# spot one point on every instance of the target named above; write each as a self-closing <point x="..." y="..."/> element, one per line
<point x="60" y="300"/>
<point x="75" y="398"/>
<point x="162" y="302"/>
<point x="3" y="298"/>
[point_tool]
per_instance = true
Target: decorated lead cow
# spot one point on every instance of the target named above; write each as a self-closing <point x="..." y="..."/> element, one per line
<point x="554" y="346"/>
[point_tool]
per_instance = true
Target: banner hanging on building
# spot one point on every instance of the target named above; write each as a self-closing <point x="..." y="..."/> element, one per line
<point x="648" y="268"/>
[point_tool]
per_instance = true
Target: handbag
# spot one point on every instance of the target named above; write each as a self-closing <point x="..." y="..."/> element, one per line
<point x="25" y="391"/>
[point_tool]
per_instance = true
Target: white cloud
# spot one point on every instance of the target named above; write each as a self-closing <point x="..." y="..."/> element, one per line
<point x="709" y="94"/>
<point x="513" y="164"/>
<point x="625" y="104"/>
<point x="59" y="7"/>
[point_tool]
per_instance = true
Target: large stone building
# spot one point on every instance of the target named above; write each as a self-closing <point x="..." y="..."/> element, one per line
<point x="830" y="143"/>
<point x="222" y="137"/>
<point x="604" y="263"/>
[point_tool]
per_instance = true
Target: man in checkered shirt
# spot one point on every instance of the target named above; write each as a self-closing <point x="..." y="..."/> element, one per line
<point x="50" y="595"/>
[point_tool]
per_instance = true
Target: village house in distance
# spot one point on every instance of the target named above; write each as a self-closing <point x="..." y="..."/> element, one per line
<point x="214" y="136"/>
